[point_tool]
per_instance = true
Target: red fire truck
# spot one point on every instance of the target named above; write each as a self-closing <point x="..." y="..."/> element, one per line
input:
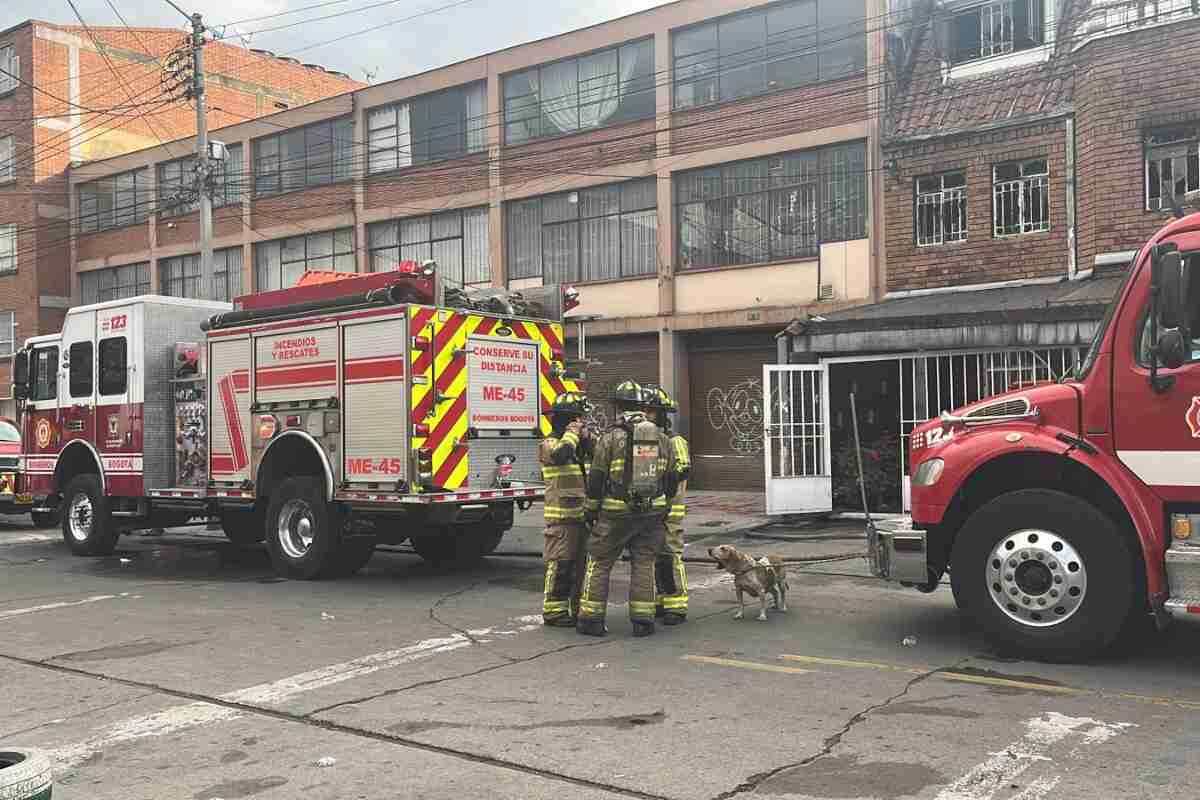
<point x="1065" y="511"/>
<point x="323" y="418"/>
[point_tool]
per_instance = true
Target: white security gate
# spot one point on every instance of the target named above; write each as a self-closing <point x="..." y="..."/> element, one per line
<point x="799" y="477"/>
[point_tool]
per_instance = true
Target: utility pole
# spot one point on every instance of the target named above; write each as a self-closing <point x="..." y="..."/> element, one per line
<point x="203" y="163"/>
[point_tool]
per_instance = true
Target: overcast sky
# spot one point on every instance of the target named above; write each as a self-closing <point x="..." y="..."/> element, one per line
<point x="432" y="39"/>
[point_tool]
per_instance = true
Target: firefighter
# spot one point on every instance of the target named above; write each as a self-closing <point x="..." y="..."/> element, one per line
<point x="629" y="490"/>
<point x="564" y="457"/>
<point x="670" y="576"/>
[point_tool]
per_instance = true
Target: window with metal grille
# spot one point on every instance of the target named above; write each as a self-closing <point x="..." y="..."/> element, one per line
<point x="310" y="156"/>
<point x="941" y="209"/>
<point x="456" y="240"/>
<point x="114" y="283"/>
<point x="8" y="328"/>
<point x="1172" y="167"/>
<point x="279" y="264"/>
<point x="602" y="233"/>
<point x="10" y="69"/>
<point x="1020" y="197"/>
<point x="997" y="28"/>
<point x="176" y="183"/>
<point x="181" y="276"/>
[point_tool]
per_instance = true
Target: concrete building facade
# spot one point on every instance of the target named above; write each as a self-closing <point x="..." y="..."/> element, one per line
<point x="704" y="172"/>
<point x="69" y="95"/>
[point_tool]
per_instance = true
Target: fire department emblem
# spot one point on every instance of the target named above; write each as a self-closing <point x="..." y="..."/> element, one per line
<point x="1193" y="417"/>
<point x="114" y="425"/>
<point x="42" y="433"/>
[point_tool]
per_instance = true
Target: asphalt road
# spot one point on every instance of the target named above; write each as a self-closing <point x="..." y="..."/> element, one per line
<point x="181" y="668"/>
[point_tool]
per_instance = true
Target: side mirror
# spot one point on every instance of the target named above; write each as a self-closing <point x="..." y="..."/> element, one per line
<point x="21" y="375"/>
<point x="1170" y="348"/>
<point x="1167" y="277"/>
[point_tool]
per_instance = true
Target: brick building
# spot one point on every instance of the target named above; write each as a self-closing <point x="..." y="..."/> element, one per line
<point x="1029" y="149"/>
<point x="70" y="95"/>
<point x="705" y="171"/>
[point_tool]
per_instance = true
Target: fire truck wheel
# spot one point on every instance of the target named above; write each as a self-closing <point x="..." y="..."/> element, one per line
<point x="490" y="536"/>
<point x="87" y="525"/>
<point x="25" y="775"/>
<point x="244" y="528"/>
<point x="1045" y="574"/>
<point x="352" y="555"/>
<point x="303" y="530"/>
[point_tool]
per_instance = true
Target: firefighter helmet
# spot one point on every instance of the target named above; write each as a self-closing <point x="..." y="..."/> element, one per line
<point x="661" y="401"/>
<point x="570" y="404"/>
<point x="629" y="394"/>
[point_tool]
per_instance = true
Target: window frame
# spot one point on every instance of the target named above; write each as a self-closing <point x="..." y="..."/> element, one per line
<point x="8" y="158"/>
<point x="462" y="237"/>
<point x="11" y="329"/>
<point x="35" y="374"/>
<point x="1035" y="35"/>
<point x="1023" y="181"/>
<point x="619" y="215"/>
<point x="635" y="85"/>
<point x="8" y="262"/>
<point x="954" y="194"/>
<point x="10" y="81"/>
<point x="825" y="225"/>
<point x="119" y="214"/>
<point x="228" y="191"/>
<point x="281" y="243"/>
<point x="1141" y="331"/>
<point x="140" y="284"/>
<point x="106" y="350"/>
<point x="402" y="149"/>
<point x="74" y="372"/>
<point x="1185" y="141"/>
<point x="771" y="54"/>
<point x="338" y="169"/>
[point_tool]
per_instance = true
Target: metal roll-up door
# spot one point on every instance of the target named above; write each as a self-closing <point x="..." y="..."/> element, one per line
<point x="726" y="410"/>
<point x="620" y="358"/>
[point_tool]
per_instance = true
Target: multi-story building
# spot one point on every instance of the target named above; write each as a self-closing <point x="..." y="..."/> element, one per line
<point x="704" y="171"/>
<point x="73" y="94"/>
<point x="1029" y="148"/>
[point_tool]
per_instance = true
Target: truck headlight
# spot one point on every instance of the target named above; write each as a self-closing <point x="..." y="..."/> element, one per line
<point x="928" y="473"/>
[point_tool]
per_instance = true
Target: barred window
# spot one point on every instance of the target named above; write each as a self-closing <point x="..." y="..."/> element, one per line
<point x="770" y="209"/>
<point x="114" y="283"/>
<point x="280" y="263"/>
<point x="181" y="276"/>
<point x="177" y="189"/>
<point x="456" y="240"/>
<point x="310" y="156"/>
<point x="941" y="209"/>
<point x="602" y="233"/>
<point x="1021" y="197"/>
<point x="1172" y="167"/>
<point x="121" y="199"/>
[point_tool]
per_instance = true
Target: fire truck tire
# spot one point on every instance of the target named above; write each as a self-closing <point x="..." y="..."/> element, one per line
<point x="87" y="525"/>
<point x="244" y="528"/>
<point x="25" y="775"/>
<point x="352" y="555"/>
<point x="303" y="531"/>
<point x="45" y="519"/>
<point x="1045" y="575"/>
<point x="490" y="538"/>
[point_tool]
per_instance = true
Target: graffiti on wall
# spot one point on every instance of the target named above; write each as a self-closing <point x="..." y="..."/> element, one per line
<point x="738" y="411"/>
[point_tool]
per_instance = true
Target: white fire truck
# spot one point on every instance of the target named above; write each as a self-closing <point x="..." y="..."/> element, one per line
<point x="323" y="418"/>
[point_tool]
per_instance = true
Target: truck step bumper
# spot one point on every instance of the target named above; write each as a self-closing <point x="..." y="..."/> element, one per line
<point x="1183" y="577"/>
<point x="897" y="551"/>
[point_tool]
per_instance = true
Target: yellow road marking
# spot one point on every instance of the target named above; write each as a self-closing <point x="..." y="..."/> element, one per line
<point x="987" y="680"/>
<point x="754" y="665"/>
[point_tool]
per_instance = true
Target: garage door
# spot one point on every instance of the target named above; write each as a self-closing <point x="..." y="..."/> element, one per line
<point x="620" y="358"/>
<point x="725" y="375"/>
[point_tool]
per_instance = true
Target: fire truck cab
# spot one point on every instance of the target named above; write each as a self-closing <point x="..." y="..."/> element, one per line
<point x="323" y="419"/>
<point x="1067" y="510"/>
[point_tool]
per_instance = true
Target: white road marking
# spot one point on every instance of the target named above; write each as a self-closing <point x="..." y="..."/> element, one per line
<point x="191" y="715"/>
<point x="17" y="612"/>
<point x="982" y="781"/>
<point x="27" y="538"/>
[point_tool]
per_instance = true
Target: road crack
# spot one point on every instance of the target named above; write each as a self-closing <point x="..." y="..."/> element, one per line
<point x="464" y="632"/>
<point x="833" y="740"/>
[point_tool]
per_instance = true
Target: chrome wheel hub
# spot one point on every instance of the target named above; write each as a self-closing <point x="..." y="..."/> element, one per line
<point x="295" y="529"/>
<point x="80" y="518"/>
<point x="1036" y="578"/>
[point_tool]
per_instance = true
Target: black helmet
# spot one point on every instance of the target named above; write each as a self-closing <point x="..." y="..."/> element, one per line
<point x="629" y="394"/>
<point x="570" y="404"/>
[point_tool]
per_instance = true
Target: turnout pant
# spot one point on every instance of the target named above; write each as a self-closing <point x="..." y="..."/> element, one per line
<point x="670" y="576"/>
<point x="644" y="536"/>
<point x="564" y="551"/>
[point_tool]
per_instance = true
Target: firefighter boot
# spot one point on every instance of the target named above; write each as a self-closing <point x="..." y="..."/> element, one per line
<point x="642" y="628"/>
<point x="593" y="602"/>
<point x="643" y="545"/>
<point x="557" y="601"/>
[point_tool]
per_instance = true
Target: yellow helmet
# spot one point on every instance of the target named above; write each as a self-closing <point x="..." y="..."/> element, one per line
<point x="571" y="404"/>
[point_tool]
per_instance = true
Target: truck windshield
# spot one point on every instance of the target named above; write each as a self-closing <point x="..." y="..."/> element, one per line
<point x="1094" y="349"/>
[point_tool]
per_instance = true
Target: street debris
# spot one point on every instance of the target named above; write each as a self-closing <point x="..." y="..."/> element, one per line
<point x="909" y="641"/>
<point x="327" y="761"/>
<point x="326" y="615"/>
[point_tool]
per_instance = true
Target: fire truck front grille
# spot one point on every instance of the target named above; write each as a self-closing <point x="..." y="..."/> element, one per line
<point x="1007" y="408"/>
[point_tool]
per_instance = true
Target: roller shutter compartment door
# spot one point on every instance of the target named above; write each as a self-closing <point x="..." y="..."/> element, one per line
<point x="623" y="358"/>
